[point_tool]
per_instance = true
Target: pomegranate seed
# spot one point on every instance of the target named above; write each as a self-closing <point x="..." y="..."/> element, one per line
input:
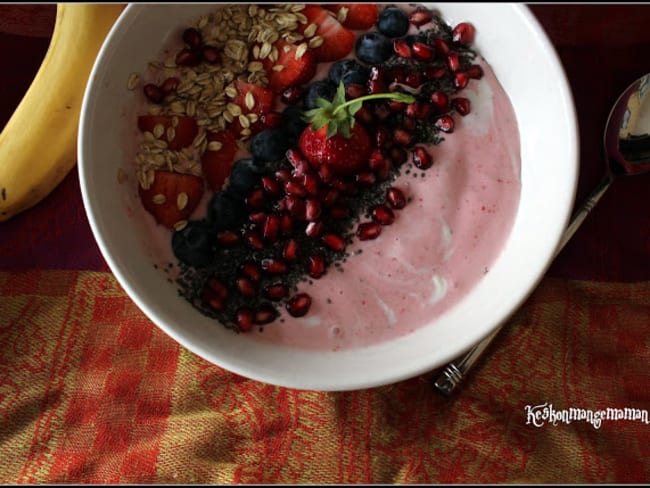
<point x="254" y="240"/>
<point x="398" y="156"/>
<point x="413" y="79"/>
<point x="440" y="101"/>
<point x="244" y="319"/>
<point x="271" y="120"/>
<point x="282" y="175"/>
<point x="271" y="228"/>
<point x="273" y="266"/>
<point x="408" y="124"/>
<point x="474" y="71"/>
<point x="382" y="214"/>
<point x="376" y="157"/>
<point x="257" y="217"/>
<point x="463" y="34"/>
<point x="314" y="229"/>
<point x="382" y="111"/>
<point x="192" y="37"/>
<point x="434" y="72"/>
<point x="334" y="241"/>
<point x="299" y="304"/>
<point x="397" y="74"/>
<point x="376" y="73"/>
<point x="453" y="62"/>
<point x="421" y="157"/>
<point x="311" y="182"/>
<point x="330" y="197"/>
<point x="422" y="51"/>
<point x="382" y="170"/>
<point x="395" y="198"/>
<point x="297" y="160"/>
<point x="252" y="270"/>
<point x="210" y="54"/>
<point x="461" y="105"/>
<point x="154" y="93"/>
<point x="460" y="80"/>
<point x="401" y="48"/>
<point x="214" y="303"/>
<point x="264" y="314"/>
<point x="228" y="238"/>
<point x="325" y="172"/>
<point x="286" y="225"/>
<point x="397" y="107"/>
<point x="368" y="230"/>
<point x="292" y="95"/>
<point x="382" y="136"/>
<point x="295" y="206"/>
<point x="441" y="46"/>
<point x="354" y="90"/>
<point x="276" y="292"/>
<point x="418" y="110"/>
<point x="366" y="178"/>
<point x="246" y="287"/>
<point x="271" y="186"/>
<point x="217" y="288"/>
<point x="188" y="57"/>
<point x="256" y="199"/>
<point x="316" y="266"/>
<point x="339" y="212"/>
<point x="419" y="17"/>
<point x="170" y="84"/>
<point x="312" y="209"/>
<point x="402" y="137"/>
<point x="290" y="251"/>
<point x="348" y="188"/>
<point x="445" y="123"/>
<point x="376" y="86"/>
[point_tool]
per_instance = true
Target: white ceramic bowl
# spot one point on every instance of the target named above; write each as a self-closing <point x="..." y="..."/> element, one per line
<point x="524" y="61"/>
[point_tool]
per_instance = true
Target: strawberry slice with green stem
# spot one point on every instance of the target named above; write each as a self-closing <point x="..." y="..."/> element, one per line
<point x="185" y="129"/>
<point x="172" y="197"/>
<point x="333" y="137"/>
<point x="338" y="41"/>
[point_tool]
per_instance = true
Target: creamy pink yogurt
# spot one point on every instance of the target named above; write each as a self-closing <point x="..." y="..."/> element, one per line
<point x="439" y="247"/>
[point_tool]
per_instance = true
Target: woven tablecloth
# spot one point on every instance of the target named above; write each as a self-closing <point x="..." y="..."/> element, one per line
<point x="92" y="392"/>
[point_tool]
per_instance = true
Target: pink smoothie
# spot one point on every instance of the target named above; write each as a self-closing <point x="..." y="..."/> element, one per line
<point x="440" y="246"/>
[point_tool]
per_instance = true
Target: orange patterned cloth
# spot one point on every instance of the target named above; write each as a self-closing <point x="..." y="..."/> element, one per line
<point x="92" y="392"/>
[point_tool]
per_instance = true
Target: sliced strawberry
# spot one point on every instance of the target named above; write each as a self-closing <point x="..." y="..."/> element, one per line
<point x="216" y="165"/>
<point x="262" y="98"/>
<point x="344" y="156"/>
<point x="294" y="71"/>
<point x="338" y="41"/>
<point x="184" y="132"/>
<point x="358" y="16"/>
<point x="164" y="201"/>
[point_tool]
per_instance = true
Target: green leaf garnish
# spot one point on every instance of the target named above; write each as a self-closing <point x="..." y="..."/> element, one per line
<point x="338" y="115"/>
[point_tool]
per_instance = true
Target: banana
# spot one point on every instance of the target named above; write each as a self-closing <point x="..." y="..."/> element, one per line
<point x="38" y="145"/>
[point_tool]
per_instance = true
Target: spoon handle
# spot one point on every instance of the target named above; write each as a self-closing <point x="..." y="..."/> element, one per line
<point x="455" y="372"/>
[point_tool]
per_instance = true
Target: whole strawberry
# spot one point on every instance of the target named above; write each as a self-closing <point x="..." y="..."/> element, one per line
<point x="334" y="138"/>
<point x="344" y="155"/>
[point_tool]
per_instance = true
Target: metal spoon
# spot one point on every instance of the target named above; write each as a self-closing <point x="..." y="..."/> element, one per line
<point x="627" y="152"/>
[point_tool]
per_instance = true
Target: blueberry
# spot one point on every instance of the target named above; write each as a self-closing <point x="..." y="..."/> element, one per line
<point x="269" y="145"/>
<point x="293" y="122"/>
<point x="193" y="244"/>
<point x="226" y="211"/>
<point x="349" y="72"/>
<point x="245" y="174"/>
<point x="393" y="22"/>
<point x="374" y="48"/>
<point x="319" y="89"/>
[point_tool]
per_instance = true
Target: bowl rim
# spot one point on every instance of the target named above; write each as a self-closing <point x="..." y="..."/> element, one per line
<point x="338" y="383"/>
